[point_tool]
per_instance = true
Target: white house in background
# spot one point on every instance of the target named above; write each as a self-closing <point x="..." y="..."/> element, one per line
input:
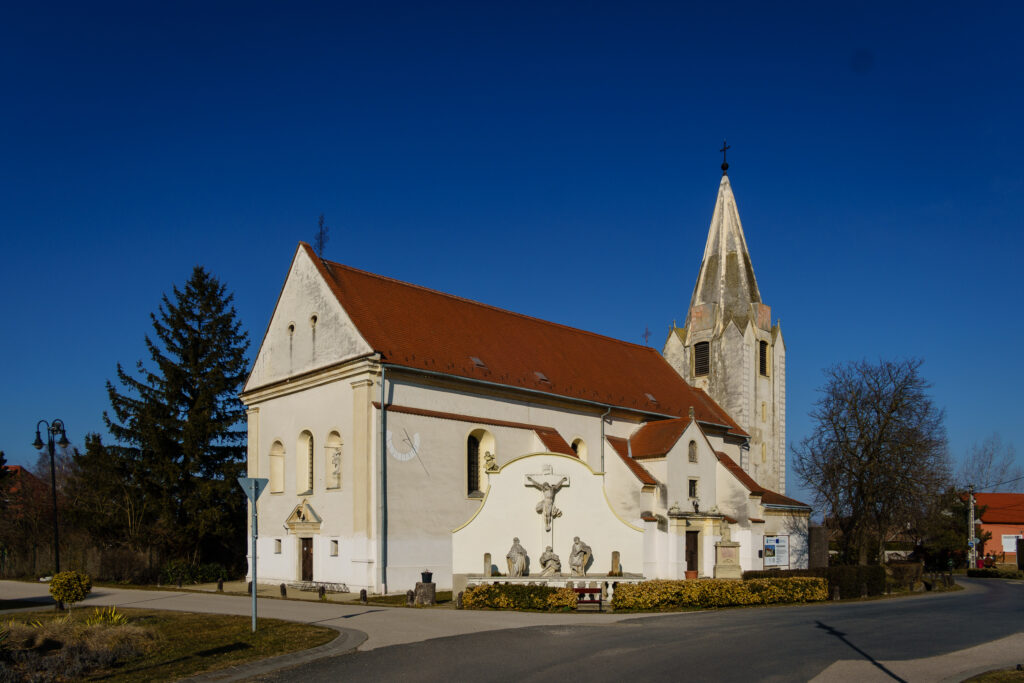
<point x="403" y="429"/>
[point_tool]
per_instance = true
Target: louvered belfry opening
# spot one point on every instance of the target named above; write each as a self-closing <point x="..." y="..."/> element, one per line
<point x="701" y="358"/>
<point x="763" y="358"/>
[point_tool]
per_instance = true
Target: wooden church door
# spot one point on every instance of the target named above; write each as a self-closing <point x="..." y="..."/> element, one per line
<point x="691" y="550"/>
<point x="307" y="559"/>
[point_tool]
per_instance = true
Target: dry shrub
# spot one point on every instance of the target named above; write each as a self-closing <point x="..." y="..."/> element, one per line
<point x="61" y="649"/>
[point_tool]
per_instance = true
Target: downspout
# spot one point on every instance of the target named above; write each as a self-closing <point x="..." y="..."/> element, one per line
<point x="382" y="555"/>
<point x="602" y="435"/>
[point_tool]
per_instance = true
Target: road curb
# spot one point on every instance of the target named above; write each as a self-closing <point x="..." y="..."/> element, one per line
<point x="348" y="640"/>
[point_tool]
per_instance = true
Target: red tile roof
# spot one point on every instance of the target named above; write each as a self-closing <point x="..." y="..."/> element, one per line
<point x="621" y="448"/>
<point x="549" y="436"/>
<point x="768" y="497"/>
<point x="1001" y="508"/>
<point x="656" y="439"/>
<point x="423" y="329"/>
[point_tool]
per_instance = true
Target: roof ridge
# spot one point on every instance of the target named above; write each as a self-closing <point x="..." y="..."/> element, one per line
<point x="343" y="266"/>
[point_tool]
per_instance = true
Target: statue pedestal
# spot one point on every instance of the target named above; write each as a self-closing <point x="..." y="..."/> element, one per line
<point x="425" y="593"/>
<point x="727" y="560"/>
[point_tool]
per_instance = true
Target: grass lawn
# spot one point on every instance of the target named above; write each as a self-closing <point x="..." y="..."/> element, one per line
<point x="168" y="645"/>
<point x="999" y="676"/>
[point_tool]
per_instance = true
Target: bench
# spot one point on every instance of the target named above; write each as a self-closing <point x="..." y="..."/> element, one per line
<point x="589" y="596"/>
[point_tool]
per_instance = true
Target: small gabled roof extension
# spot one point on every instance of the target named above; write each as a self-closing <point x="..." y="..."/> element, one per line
<point x="621" y="448"/>
<point x="768" y="497"/>
<point x="422" y="329"/>
<point x="656" y="439"/>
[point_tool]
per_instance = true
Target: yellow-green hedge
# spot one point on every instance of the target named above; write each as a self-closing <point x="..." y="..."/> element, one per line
<point x="512" y="596"/>
<point x="663" y="595"/>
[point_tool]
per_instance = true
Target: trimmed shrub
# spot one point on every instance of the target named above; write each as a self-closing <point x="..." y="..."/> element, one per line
<point x="995" y="574"/>
<point x="905" y="574"/>
<point x="70" y="587"/>
<point x="850" y="579"/>
<point x="514" y="596"/>
<point x="188" y="573"/>
<point x="664" y="595"/>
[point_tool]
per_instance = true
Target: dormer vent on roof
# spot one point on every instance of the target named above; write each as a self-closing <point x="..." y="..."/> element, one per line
<point x="541" y="377"/>
<point x="477" y="362"/>
<point x="651" y="398"/>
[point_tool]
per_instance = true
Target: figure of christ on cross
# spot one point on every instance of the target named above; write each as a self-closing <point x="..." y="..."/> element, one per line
<point x="546" y="506"/>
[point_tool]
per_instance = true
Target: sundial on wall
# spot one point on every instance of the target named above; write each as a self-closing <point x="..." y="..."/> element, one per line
<point x="410" y="446"/>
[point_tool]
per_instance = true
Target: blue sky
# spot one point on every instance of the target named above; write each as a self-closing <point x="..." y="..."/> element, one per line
<point x="558" y="159"/>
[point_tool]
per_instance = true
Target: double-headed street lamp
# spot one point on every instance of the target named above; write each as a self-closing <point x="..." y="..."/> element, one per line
<point x="52" y="430"/>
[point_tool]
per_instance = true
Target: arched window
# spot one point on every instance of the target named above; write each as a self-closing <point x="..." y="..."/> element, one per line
<point x="701" y="358"/>
<point x="692" y="451"/>
<point x="333" y="460"/>
<point x="764" y="452"/>
<point x="472" y="465"/>
<point x="579" y="447"/>
<point x="762" y="358"/>
<point x="304" y="464"/>
<point x="277" y="467"/>
<point x="479" y="445"/>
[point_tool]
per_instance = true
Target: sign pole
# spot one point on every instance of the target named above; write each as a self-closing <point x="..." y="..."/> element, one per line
<point x="255" y="533"/>
<point x="253" y="487"/>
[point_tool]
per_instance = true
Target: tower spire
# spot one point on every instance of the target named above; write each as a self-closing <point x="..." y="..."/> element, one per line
<point x="725" y="164"/>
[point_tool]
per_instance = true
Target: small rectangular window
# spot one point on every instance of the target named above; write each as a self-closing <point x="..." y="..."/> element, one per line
<point x="334" y="548"/>
<point x="277" y="546"/>
<point x="763" y="358"/>
<point x="701" y="358"/>
<point x="693" y="488"/>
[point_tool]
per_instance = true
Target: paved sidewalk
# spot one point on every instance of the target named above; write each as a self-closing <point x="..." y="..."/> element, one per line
<point x="383" y="626"/>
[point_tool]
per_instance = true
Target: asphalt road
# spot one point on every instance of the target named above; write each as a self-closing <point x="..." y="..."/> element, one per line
<point x="795" y="643"/>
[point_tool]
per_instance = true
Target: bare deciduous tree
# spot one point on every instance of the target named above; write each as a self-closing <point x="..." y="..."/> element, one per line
<point x="991" y="466"/>
<point x="877" y="456"/>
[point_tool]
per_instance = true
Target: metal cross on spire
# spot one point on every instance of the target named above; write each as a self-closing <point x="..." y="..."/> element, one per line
<point x="725" y="164"/>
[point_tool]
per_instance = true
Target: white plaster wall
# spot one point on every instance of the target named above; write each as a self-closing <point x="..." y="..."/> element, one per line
<point x="333" y="339"/>
<point x="319" y="410"/>
<point x="625" y="491"/>
<point x="509" y="511"/>
<point x="679" y="471"/>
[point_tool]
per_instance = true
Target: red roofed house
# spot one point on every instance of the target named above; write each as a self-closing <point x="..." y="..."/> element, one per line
<point x="402" y="429"/>
<point x="1002" y="515"/>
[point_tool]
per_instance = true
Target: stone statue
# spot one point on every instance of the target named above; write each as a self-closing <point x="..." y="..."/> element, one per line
<point x="579" y="557"/>
<point x="546" y="506"/>
<point x="550" y="563"/>
<point x="726" y="533"/>
<point x="490" y="462"/>
<point x="516" y="558"/>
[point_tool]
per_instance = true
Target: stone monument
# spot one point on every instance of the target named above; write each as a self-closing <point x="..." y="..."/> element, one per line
<point x="550" y="564"/>
<point x="727" y="556"/>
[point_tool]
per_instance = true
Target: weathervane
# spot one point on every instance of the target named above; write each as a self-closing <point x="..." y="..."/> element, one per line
<point x="725" y="164"/>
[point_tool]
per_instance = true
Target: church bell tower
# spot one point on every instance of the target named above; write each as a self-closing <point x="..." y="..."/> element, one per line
<point x="729" y="347"/>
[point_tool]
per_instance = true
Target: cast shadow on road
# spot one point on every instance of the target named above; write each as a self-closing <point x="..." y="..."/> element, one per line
<point x="842" y="636"/>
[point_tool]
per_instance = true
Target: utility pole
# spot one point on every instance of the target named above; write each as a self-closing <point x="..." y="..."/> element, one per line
<point x="972" y="553"/>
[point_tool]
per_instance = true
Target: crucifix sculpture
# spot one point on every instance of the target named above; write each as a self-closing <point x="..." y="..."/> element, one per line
<point x="546" y="506"/>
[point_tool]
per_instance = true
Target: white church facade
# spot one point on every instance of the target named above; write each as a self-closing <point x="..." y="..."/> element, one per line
<point x="402" y="429"/>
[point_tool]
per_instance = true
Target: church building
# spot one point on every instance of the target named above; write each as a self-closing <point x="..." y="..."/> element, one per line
<point x="405" y="430"/>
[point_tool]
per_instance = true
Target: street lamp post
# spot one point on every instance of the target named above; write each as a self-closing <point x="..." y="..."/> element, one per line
<point x="52" y="430"/>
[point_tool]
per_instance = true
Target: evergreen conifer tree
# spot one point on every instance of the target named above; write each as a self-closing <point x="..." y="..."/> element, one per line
<point x="179" y="426"/>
